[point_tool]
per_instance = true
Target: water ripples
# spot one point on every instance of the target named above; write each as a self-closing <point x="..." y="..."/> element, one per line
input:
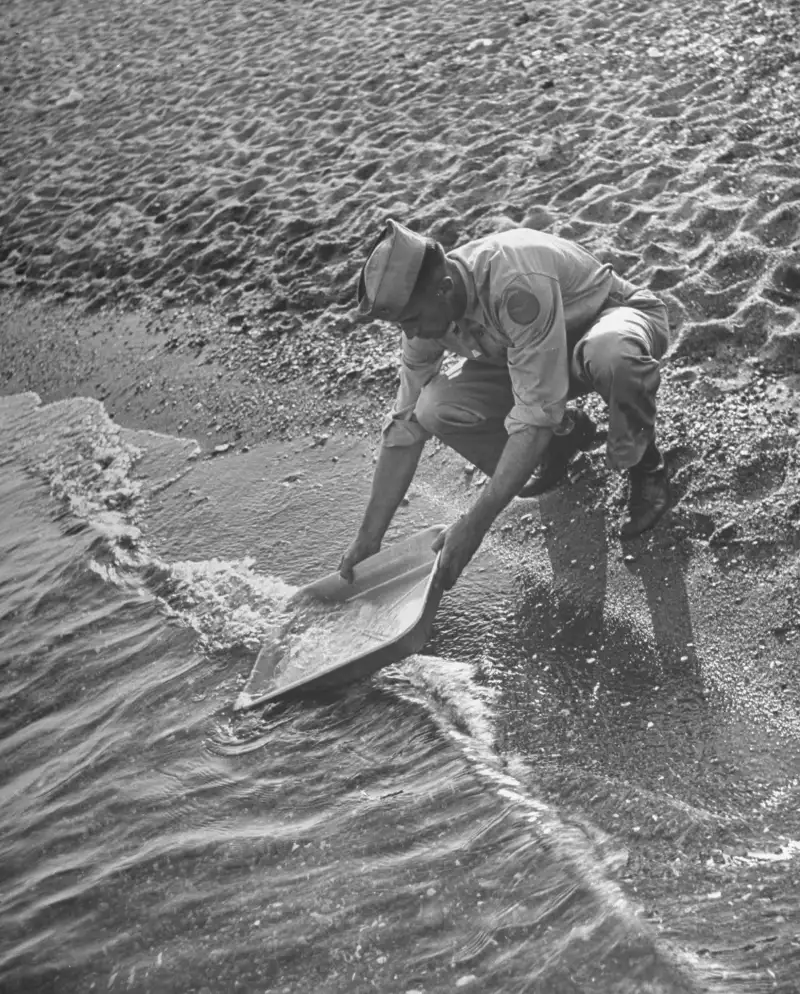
<point x="153" y="839"/>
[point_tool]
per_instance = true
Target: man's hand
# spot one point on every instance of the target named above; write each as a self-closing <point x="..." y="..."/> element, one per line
<point x="359" y="550"/>
<point x="458" y="545"/>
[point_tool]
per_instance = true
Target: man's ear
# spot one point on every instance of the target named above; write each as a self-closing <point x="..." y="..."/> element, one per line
<point x="446" y="286"/>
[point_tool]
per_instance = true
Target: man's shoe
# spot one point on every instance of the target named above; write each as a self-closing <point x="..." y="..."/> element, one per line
<point x="560" y="451"/>
<point x="649" y="499"/>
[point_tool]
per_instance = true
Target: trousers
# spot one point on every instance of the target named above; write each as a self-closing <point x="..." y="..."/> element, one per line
<point x="618" y="358"/>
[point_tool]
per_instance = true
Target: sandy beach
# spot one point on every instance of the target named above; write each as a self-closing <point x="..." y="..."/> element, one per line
<point x="188" y="191"/>
<point x="189" y="194"/>
<point x="201" y="185"/>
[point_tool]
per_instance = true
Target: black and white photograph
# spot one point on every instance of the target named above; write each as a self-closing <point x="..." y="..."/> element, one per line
<point x="400" y="497"/>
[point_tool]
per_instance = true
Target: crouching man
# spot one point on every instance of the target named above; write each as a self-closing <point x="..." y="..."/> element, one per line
<point x="537" y="321"/>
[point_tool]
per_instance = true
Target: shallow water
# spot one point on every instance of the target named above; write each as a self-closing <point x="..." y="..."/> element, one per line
<point x="374" y="839"/>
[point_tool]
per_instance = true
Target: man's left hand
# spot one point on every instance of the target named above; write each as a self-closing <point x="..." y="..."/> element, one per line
<point x="458" y="545"/>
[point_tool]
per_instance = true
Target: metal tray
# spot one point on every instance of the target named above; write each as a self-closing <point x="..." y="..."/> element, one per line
<point x="342" y="631"/>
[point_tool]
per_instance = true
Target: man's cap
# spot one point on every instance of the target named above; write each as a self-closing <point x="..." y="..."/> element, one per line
<point x="390" y="272"/>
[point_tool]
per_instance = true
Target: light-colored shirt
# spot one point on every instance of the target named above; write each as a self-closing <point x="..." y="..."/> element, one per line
<point x="530" y="295"/>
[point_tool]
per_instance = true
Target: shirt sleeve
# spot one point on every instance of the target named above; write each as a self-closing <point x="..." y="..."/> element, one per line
<point x="530" y="312"/>
<point x="420" y="361"/>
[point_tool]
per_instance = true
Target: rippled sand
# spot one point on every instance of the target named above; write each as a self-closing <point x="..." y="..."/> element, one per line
<point x="244" y="153"/>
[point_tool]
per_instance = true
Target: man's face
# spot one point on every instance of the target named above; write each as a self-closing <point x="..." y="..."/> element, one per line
<point x="427" y="314"/>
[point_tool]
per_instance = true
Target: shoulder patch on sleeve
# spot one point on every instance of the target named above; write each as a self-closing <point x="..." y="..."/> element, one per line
<point x="521" y="305"/>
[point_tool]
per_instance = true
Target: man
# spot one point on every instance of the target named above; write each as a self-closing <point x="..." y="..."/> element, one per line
<point x="538" y="320"/>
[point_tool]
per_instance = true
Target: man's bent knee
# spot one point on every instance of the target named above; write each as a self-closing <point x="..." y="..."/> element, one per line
<point x="613" y="359"/>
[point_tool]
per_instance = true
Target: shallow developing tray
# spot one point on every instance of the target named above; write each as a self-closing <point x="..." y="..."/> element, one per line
<point x="356" y="628"/>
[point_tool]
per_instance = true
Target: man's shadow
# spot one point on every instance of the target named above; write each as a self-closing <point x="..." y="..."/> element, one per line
<point x="581" y="545"/>
<point x="616" y="614"/>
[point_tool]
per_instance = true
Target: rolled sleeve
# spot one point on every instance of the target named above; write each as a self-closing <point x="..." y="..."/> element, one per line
<point x="420" y="361"/>
<point x="530" y="312"/>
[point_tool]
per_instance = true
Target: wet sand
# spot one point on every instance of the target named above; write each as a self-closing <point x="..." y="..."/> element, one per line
<point x="187" y="192"/>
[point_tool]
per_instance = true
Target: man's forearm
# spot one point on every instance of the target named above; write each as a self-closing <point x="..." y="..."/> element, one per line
<point x="522" y="454"/>
<point x="393" y="474"/>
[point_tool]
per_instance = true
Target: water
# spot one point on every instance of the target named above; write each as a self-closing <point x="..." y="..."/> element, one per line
<point x="153" y="840"/>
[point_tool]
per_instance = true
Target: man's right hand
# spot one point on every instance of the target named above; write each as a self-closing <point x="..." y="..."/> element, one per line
<point x="361" y="549"/>
<point x="393" y="473"/>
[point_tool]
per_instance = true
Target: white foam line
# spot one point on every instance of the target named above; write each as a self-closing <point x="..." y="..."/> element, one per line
<point x="569" y="843"/>
<point x="575" y="846"/>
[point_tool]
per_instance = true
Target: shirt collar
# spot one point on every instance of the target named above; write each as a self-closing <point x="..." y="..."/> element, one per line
<point x="469" y="285"/>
